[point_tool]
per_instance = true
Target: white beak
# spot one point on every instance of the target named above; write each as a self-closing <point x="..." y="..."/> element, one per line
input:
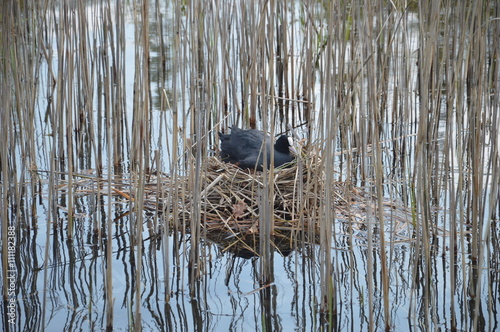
<point x="292" y="147"/>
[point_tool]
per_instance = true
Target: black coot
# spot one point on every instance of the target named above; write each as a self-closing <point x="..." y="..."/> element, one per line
<point x="245" y="148"/>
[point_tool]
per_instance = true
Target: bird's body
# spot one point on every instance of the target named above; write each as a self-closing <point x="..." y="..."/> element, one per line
<point x="246" y="148"/>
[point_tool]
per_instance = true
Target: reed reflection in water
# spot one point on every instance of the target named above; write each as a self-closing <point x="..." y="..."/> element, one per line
<point x="228" y="296"/>
<point x="117" y="213"/>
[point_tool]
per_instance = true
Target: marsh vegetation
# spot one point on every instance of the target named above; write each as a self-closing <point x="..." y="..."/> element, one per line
<point x="117" y="213"/>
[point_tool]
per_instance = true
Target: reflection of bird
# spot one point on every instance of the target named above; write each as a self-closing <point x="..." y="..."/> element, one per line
<point x="245" y="148"/>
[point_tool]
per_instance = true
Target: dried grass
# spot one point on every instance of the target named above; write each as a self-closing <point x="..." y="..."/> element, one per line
<point x="231" y="200"/>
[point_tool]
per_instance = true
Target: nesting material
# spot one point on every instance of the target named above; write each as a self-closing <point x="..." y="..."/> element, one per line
<point x="228" y="206"/>
<point x="232" y="198"/>
<point x="231" y="201"/>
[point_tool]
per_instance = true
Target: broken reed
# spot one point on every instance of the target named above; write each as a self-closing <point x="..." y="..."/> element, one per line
<point x="348" y="75"/>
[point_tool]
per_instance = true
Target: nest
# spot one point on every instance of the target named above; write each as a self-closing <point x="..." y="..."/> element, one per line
<point x="232" y="199"/>
<point x="230" y="202"/>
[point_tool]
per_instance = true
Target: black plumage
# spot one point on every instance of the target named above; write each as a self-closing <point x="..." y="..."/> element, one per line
<point x="245" y="148"/>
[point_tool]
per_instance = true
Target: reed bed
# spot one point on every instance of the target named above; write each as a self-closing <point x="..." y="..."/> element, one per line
<point x="397" y="103"/>
<point x="231" y="199"/>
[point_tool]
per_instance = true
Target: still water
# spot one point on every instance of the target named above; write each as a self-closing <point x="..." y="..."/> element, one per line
<point x="64" y="278"/>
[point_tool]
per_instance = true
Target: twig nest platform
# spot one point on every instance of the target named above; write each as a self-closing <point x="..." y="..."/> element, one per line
<point x="232" y="199"/>
<point x="230" y="202"/>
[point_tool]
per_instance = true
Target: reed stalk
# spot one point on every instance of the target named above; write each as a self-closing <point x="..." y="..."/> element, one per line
<point x="110" y="121"/>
